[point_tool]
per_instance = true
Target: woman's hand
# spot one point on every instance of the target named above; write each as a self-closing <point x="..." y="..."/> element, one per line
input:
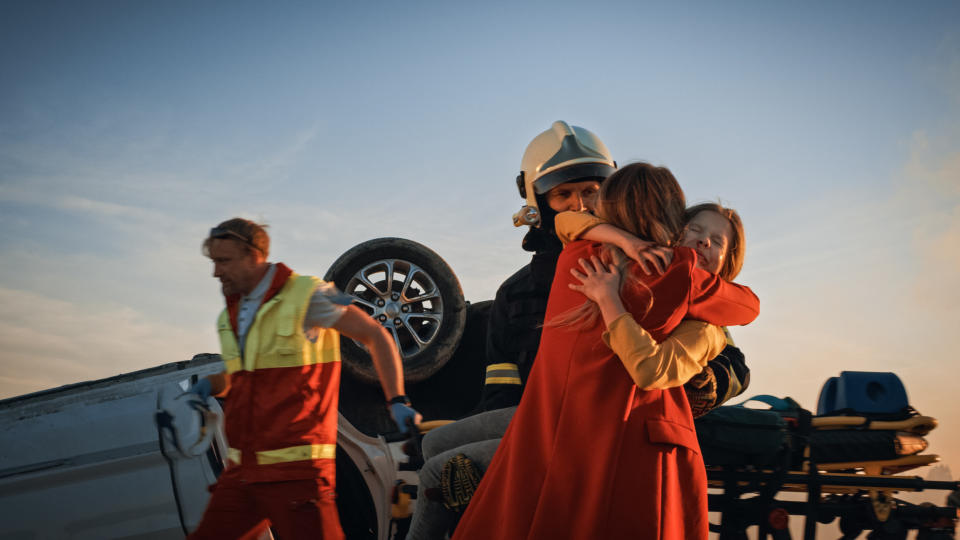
<point x="597" y="281"/>
<point x="600" y="284"/>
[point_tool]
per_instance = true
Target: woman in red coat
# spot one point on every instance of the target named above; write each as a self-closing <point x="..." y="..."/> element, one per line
<point x="588" y="454"/>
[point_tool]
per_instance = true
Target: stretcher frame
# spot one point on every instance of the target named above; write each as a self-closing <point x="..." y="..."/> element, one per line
<point x="860" y="494"/>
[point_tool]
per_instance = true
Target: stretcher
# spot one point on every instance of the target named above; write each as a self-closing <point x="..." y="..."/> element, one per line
<point x="844" y="462"/>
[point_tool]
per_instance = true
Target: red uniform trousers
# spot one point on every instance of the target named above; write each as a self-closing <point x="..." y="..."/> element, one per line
<point x="297" y="509"/>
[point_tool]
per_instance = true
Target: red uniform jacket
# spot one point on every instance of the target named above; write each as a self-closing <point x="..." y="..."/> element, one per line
<point x="292" y="408"/>
<point x="589" y="455"/>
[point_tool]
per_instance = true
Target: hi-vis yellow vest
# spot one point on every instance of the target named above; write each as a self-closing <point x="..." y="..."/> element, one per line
<point x="276" y="337"/>
<point x="281" y="411"/>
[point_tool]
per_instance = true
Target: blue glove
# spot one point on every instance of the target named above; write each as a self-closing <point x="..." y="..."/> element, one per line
<point x="202" y="388"/>
<point x="403" y="415"/>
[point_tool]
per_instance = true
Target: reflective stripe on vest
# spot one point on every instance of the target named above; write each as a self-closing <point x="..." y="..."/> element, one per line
<point x="505" y="373"/>
<point x="286" y="455"/>
<point x="276" y="338"/>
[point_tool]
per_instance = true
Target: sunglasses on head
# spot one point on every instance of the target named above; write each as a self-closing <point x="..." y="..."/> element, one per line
<point x="222" y="232"/>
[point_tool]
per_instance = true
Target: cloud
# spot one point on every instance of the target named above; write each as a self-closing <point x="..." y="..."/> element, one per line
<point x="101" y="208"/>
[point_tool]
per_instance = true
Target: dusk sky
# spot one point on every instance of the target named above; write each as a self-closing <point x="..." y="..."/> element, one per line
<point x="128" y="129"/>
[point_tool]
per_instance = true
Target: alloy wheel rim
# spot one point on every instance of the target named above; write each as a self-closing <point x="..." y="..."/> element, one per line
<point x="402" y="297"/>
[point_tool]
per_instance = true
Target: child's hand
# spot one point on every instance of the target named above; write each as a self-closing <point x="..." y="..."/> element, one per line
<point x="646" y="253"/>
<point x="597" y="281"/>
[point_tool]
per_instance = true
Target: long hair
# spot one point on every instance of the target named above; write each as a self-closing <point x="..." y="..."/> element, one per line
<point x="737" y="250"/>
<point x="644" y="200"/>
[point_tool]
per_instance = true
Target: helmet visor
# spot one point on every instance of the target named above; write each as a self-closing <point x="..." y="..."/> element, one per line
<point x="579" y="172"/>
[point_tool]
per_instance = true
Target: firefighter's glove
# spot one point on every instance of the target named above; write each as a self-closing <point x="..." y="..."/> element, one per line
<point x="404" y="416"/>
<point x="203" y="389"/>
<point x="702" y="392"/>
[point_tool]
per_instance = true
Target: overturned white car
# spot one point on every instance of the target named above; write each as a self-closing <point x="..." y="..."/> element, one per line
<point x="132" y="456"/>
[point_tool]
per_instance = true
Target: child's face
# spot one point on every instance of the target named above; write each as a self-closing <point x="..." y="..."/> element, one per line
<point x="710" y="234"/>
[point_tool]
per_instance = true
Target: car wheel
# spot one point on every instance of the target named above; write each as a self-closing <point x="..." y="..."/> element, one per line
<point x="413" y="293"/>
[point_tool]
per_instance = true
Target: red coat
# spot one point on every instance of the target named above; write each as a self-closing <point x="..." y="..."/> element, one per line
<point x="589" y="455"/>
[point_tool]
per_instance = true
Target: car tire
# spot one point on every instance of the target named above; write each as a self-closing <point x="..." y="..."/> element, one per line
<point x="413" y="293"/>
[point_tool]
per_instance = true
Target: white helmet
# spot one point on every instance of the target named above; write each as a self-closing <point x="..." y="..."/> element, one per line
<point x="561" y="154"/>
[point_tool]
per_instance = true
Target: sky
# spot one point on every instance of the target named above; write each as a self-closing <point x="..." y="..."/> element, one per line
<point x="128" y="129"/>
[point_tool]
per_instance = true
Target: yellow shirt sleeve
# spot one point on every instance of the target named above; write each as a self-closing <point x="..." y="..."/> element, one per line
<point x="571" y="225"/>
<point x="669" y="364"/>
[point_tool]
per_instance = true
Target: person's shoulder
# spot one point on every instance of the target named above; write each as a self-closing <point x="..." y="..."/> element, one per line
<point x="699" y="327"/>
<point x="312" y="282"/>
<point x="522" y="275"/>
<point x="580" y="248"/>
<point x="684" y="254"/>
<point x="715" y="333"/>
<point x="581" y="245"/>
<point x="679" y="272"/>
<point x="684" y="261"/>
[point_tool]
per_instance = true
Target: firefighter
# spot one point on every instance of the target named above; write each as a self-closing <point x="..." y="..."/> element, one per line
<point x="561" y="170"/>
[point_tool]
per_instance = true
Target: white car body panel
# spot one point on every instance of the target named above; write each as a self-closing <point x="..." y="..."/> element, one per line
<point x="85" y="461"/>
